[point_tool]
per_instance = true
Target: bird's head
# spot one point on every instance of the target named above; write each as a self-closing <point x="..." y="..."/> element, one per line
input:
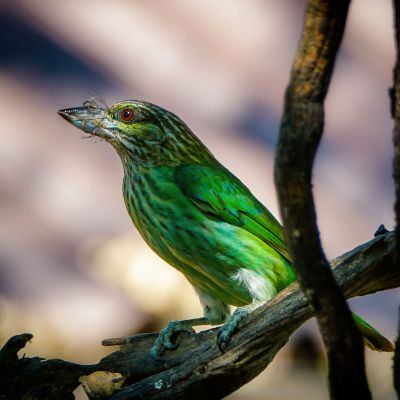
<point x="141" y="132"/>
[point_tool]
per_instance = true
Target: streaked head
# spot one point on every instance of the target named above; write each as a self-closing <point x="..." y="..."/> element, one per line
<point x="141" y="132"/>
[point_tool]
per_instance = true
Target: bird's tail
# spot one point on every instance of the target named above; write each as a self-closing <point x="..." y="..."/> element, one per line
<point x="371" y="337"/>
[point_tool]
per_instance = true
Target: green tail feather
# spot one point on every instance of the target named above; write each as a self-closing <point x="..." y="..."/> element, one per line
<point x="371" y="337"/>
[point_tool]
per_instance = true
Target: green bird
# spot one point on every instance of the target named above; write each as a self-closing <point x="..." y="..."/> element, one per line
<point x="197" y="216"/>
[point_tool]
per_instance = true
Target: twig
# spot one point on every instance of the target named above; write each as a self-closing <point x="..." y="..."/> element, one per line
<point x="197" y="369"/>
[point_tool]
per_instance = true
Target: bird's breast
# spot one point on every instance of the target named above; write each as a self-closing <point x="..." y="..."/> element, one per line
<point x="163" y="215"/>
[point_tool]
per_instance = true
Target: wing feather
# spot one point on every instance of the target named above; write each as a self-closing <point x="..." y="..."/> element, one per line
<point x="219" y="194"/>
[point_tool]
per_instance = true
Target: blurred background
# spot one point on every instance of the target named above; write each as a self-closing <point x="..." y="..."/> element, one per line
<point x="73" y="270"/>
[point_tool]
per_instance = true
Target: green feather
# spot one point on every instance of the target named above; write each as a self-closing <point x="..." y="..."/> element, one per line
<point x="218" y="193"/>
<point x="371" y="337"/>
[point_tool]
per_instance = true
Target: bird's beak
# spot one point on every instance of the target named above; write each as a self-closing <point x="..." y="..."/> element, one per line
<point x="91" y="120"/>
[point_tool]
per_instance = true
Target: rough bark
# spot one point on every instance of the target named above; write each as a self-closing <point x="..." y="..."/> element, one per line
<point x="197" y="369"/>
<point x="300" y="134"/>
<point x="395" y="109"/>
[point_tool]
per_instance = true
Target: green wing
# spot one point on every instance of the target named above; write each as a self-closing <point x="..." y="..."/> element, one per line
<point x="219" y="194"/>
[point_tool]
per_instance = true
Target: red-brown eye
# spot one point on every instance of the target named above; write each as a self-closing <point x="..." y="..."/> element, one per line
<point x="127" y="115"/>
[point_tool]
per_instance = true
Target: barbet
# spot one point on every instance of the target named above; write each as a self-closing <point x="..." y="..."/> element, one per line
<point x="196" y="215"/>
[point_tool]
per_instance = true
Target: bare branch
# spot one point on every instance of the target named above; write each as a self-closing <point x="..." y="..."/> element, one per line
<point x="396" y="360"/>
<point x="197" y="369"/>
<point x="395" y="108"/>
<point x="301" y="131"/>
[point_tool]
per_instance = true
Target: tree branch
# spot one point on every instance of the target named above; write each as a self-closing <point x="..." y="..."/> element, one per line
<point x="395" y="108"/>
<point x="300" y="134"/>
<point x="197" y="369"/>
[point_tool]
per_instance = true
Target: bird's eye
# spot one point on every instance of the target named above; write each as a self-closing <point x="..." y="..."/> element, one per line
<point x="127" y="115"/>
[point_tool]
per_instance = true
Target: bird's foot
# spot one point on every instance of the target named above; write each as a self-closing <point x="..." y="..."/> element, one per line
<point x="226" y="331"/>
<point x="164" y="340"/>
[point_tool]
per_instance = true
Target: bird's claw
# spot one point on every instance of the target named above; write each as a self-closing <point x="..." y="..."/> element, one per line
<point x="225" y="334"/>
<point x="226" y="331"/>
<point x="164" y="338"/>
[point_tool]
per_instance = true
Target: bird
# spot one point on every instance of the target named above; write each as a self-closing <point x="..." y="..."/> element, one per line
<point x="197" y="216"/>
